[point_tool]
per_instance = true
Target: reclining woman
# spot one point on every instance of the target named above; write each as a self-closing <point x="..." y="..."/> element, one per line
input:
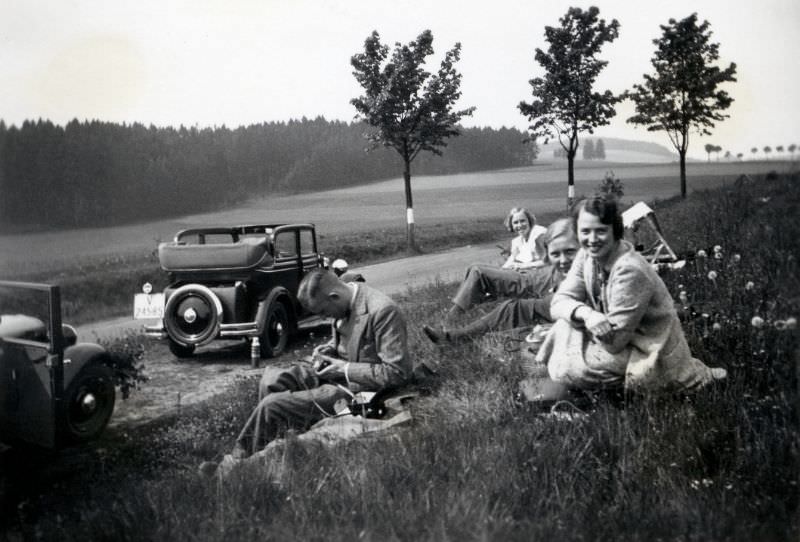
<point x="561" y="245"/>
<point x="616" y="324"/>
<point x="517" y="277"/>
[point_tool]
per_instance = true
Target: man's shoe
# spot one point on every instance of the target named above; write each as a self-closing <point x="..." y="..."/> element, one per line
<point x="437" y="336"/>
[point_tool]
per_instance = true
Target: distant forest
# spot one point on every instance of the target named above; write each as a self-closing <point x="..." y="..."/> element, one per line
<point x="100" y="173"/>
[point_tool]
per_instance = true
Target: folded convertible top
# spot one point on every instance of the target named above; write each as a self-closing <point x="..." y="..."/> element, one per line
<point x="244" y="254"/>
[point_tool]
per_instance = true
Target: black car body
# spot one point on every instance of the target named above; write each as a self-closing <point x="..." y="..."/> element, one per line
<point x="232" y="282"/>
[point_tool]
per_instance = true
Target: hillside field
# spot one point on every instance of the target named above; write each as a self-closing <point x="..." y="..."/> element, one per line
<point x="445" y="199"/>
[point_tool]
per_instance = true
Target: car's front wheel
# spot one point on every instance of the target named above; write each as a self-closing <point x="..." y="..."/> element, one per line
<point x="88" y="404"/>
<point x="275" y="335"/>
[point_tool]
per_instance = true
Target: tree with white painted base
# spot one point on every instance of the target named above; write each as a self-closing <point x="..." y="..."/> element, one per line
<point x="412" y="109"/>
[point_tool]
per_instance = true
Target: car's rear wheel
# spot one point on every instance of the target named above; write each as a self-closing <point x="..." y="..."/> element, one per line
<point x="181" y="351"/>
<point x="88" y="404"/>
<point x="277" y="328"/>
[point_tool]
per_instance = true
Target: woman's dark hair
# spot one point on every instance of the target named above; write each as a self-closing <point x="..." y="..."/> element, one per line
<point x="606" y="208"/>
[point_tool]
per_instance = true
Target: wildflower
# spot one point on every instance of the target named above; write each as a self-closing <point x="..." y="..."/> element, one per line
<point x="717" y="248"/>
<point x="791" y="323"/>
<point x="717" y="326"/>
<point x="683" y="297"/>
<point x="701" y="253"/>
<point x="749" y="286"/>
<point x="757" y="322"/>
<point x="736" y="258"/>
<point x="712" y="275"/>
<point x="718" y="255"/>
<point x="780" y="325"/>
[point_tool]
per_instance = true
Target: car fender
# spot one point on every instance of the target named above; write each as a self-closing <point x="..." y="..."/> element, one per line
<point x="80" y="355"/>
<point x="279" y="292"/>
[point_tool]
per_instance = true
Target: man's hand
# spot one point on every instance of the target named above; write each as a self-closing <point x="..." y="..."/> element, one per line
<point x="329" y="367"/>
<point x="325" y="349"/>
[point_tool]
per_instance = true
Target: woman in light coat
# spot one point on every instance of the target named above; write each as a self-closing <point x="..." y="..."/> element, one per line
<point x="616" y="323"/>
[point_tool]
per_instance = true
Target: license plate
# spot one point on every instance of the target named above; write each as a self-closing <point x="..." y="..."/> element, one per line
<point x="148" y="306"/>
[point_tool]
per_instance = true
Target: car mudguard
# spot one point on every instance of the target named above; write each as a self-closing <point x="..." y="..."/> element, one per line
<point x="78" y="356"/>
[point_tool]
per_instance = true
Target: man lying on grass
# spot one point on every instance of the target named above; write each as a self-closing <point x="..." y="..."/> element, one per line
<point x="367" y="352"/>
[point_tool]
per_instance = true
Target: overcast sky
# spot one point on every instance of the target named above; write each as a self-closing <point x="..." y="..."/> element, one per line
<point x="238" y="62"/>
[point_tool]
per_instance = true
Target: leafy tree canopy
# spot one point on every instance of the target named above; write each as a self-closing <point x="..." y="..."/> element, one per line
<point x="411" y="108"/>
<point x="564" y="100"/>
<point x="683" y="94"/>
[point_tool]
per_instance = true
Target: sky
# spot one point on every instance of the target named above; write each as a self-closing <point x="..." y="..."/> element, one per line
<point x="239" y="62"/>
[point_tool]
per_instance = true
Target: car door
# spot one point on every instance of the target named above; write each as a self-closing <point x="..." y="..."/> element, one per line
<point x="287" y="258"/>
<point x="31" y="370"/>
<point x="309" y="255"/>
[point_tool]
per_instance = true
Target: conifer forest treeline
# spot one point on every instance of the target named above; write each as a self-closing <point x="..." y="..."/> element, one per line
<point x="99" y="173"/>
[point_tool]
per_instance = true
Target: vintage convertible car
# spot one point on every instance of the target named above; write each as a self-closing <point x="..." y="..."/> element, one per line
<point x="53" y="390"/>
<point x="231" y="282"/>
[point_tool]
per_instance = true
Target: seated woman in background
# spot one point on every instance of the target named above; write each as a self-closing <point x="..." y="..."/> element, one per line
<point x="514" y="278"/>
<point x="527" y="248"/>
<point x="616" y="323"/>
<point x="561" y="245"/>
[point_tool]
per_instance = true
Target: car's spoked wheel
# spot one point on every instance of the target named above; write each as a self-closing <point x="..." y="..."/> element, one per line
<point x="275" y="336"/>
<point x="88" y="404"/>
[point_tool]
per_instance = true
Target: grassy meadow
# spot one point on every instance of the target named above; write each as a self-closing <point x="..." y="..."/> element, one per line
<point x="475" y="464"/>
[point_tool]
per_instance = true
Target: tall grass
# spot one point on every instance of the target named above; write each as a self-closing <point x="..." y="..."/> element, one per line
<point x="475" y="465"/>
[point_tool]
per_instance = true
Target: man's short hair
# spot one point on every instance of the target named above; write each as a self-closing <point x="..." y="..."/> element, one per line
<point x="315" y="283"/>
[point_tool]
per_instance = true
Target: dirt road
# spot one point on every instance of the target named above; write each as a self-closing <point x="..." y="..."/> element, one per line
<point x="175" y="384"/>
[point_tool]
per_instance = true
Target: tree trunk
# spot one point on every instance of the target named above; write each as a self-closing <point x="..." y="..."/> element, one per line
<point x="570" y="178"/>
<point x="682" y="154"/>
<point x="412" y="244"/>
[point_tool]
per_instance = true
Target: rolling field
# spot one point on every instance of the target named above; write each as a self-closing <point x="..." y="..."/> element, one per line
<point x="437" y="200"/>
